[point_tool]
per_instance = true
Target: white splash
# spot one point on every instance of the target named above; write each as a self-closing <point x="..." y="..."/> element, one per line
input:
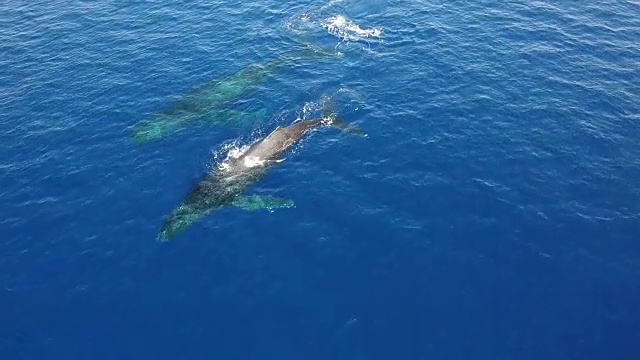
<point x="309" y="109"/>
<point x="347" y="30"/>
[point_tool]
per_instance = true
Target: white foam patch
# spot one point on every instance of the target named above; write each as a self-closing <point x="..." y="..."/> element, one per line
<point x="234" y="152"/>
<point x="347" y="30"/>
<point x="253" y="161"/>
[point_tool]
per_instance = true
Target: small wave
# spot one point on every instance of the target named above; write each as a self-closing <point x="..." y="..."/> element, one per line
<point x="347" y="30"/>
<point x="300" y="24"/>
<point x="331" y="3"/>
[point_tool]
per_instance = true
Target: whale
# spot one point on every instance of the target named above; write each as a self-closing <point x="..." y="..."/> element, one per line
<point x="209" y="102"/>
<point x="225" y="183"/>
<point x="205" y="103"/>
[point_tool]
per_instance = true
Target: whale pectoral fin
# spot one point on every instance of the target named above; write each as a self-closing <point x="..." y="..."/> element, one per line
<point x="260" y="202"/>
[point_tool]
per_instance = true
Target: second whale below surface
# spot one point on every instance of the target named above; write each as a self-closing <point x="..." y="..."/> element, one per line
<point x="209" y="102"/>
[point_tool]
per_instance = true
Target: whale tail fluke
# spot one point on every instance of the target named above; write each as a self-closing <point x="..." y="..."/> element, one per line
<point x="349" y="128"/>
<point x="330" y="117"/>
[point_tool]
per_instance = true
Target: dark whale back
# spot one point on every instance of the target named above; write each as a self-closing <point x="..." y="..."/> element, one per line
<point x="272" y="146"/>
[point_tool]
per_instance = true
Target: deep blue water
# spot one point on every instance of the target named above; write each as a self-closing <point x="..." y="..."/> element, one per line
<point x="493" y="212"/>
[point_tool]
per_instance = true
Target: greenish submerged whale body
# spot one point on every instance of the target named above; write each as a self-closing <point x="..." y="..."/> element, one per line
<point x="225" y="183"/>
<point x="206" y="102"/>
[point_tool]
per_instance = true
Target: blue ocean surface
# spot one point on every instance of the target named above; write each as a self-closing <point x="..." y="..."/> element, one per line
<point x="492" y="212"/>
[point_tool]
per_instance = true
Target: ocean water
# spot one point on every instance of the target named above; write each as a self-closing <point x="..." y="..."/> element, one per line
<point x="493" y="211"/>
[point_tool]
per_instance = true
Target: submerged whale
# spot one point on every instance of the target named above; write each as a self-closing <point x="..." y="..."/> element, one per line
<point x="207" y="102"/>
<point x="225" y="183"/>
<point x="204" y="103"/>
